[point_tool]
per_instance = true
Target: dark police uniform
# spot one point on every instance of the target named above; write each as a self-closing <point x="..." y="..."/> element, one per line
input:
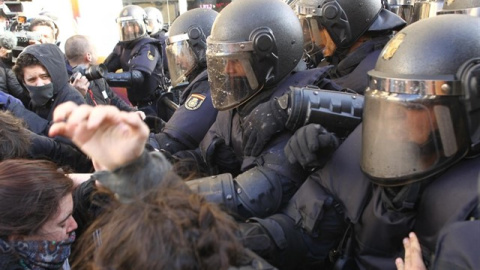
<point x="143" y="55"/>
<point x="191" y="121"/>
<point x="258" y="186"/>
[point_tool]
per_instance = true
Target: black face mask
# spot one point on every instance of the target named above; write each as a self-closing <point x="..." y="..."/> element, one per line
<point x="40" y="95"/>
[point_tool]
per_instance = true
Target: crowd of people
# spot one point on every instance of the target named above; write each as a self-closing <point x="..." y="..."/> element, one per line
<point x="317" y="135"/>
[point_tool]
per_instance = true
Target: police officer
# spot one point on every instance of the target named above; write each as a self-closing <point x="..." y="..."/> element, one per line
<point x="140" y="58"/>
<point x="418" y="143"/>
<point x="155" y="30"/>
<point x="351" y="36"/>
<point x="186" y="54"/>
<point x="155" y="23"/>
<point x="250" y="58"/>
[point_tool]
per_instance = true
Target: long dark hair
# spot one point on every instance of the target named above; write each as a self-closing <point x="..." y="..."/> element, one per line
<point x="169" y="228"/>
<point x="30" y="194"/>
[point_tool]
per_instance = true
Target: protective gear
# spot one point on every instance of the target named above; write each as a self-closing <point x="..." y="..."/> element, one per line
<point x="425" y="9"/>
<point x="264" y="121"/>
<point x="40" y="95"/>
<point x="220" y="190"/>
<point x="154" y="20"/>
<point x="419" y="113"/>
<point x="124" y="79"/>
<point x="344" y="20"/>
<point x="402" y="8"/>
<point x="187" y="44"/>
<point x="131" y="23"/>
<point x="469" y="7"/>
<point x="339" y="112"/>
<point x="311" y="146"/>
<point x="245" y="56"/>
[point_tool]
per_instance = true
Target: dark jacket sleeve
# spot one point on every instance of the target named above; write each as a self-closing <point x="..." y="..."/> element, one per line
<point x="113" y="59"/>
<point x="60" y="153"/>
<point x="150" y="168"/>
<point x="34" y="122"/>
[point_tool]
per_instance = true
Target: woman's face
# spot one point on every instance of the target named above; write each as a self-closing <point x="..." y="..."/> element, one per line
<point x="60" y="226"/>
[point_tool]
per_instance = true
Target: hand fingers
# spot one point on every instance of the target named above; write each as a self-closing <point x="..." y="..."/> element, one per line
<point x="103" y="114"/>
<point x="258" y="144"/>
<point x="414" y="241"/>
<point x="58" y="129"/>
<point x="292" y="159"/>
<point x="399" y="263"/>
<point x="81" y="114"/>
<point x="136" y="123"/>
<point x="249" y="138"/>
<point x="295" y="152"/>
<point x="311" y="133"/>
<point x="308" y="145"/>
<point x="408" y="251"/>
<point x="63" y="111"/>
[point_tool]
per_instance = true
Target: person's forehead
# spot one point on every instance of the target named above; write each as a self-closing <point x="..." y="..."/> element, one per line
<point x="42" y="28"/>
<point x="34" y="70"/>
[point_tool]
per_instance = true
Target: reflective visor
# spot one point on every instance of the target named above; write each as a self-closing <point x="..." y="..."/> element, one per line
<point x="230" y="73"/>
<point x="475" y="12"/>
<point x="181" y="59"/>
<point x="312" y="39"/>
<point x="150" y="25"/>
<point x="130" y="29"/>
<point x="406" y="137"/>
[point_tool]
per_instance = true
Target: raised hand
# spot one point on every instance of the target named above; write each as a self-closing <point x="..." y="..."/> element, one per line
<point x="112" y="138"/>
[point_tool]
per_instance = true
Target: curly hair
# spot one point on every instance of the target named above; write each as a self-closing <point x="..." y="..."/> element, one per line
<point x="170" y="228"/>
<point x="24" y="60"/>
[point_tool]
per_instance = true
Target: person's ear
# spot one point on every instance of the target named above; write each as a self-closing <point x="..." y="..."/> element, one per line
<point x="89" y="57"/>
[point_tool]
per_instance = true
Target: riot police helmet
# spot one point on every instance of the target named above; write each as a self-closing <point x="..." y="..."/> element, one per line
<point x="131" y="23"/>
<point x="469" y="7"/>
<point x="250" y="50"/>
<point x="403" y="8"/>
<point x="422" y="106"/>
<point x="187" y="43"/>
<point x="424" y="9"/>
<point x="154" y="20"/>
<point x="345" y="21"/>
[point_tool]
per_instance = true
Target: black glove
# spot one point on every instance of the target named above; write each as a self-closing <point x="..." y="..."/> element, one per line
<point x="266" y="120"/>
<point x="154" y="123"/>
<point x="311" y="146"/>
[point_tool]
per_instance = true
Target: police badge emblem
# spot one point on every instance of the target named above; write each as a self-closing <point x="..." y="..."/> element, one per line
<point x="150" y="56"/>
<point x="392" y="46"/>
<point x="194" y="102"/>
